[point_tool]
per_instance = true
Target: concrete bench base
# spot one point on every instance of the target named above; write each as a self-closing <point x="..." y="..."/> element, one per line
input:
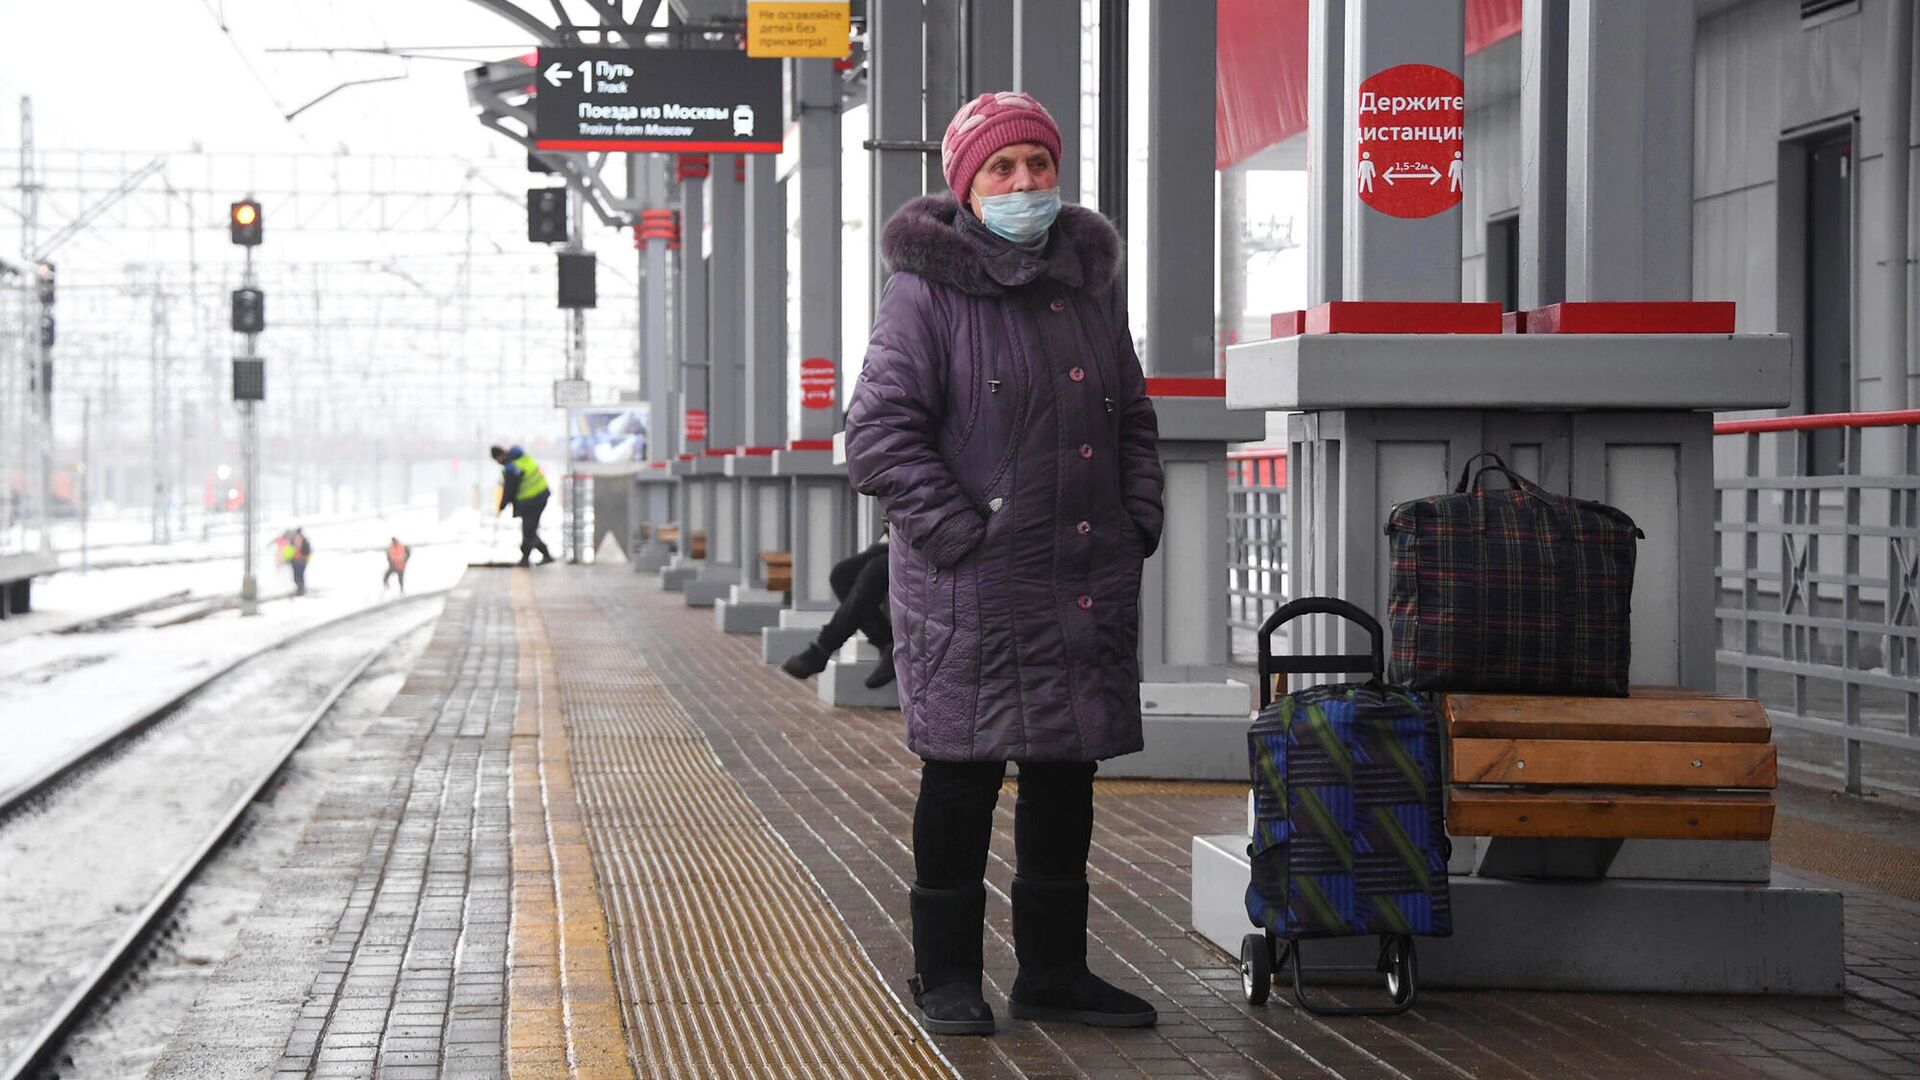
<point x="796" y="629"/>
<point x="652" y="556"/>
<point x="1193" y="731"/>
<point x="1186" y="748"/>
<point x="843" y="685"/>
<point x="734" y="617"/>
<point x="1643" y="936"/>
<point x="675" y="578"/>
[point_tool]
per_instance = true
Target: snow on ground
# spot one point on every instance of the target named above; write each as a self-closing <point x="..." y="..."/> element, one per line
<point x="61" y="691"/>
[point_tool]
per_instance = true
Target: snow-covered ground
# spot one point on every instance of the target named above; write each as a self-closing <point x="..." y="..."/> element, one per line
<point x="60" y="691"/>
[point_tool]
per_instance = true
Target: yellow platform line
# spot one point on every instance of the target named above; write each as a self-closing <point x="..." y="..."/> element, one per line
<point x="563" y="1012"/>
<point x="732" y="960"/>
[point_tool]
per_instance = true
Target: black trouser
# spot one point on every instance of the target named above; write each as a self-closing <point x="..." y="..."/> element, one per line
<point x="529" y="512"/>
<point x="299" y="576"/>
<point x="860" y="583"/>
<point x="953" y="820"/>
<point x="394" y="572"/>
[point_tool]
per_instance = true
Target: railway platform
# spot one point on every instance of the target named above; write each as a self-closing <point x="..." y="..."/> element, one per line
<point x="593" y="837"/>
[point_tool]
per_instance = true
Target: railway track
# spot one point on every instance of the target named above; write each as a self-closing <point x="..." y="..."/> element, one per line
<point x="26" y="792"/>
<point x="69" y="778"/>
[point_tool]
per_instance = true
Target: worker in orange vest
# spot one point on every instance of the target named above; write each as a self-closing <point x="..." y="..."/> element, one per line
<point x="397" y="555"/>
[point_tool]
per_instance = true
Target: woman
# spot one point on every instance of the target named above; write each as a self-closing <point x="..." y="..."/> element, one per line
<point x="1002" y="420"/>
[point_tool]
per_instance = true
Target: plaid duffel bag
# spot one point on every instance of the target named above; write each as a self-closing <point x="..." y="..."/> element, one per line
<point x="1514" y="589"/>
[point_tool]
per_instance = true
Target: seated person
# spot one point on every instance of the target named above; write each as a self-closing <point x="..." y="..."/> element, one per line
<point x="860" y="582"/>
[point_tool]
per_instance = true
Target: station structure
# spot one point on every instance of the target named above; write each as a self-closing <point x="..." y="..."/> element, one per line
<point x="1593" y="236"/>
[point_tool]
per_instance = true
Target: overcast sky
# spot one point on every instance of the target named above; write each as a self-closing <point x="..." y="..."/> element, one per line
<point x="165" y="74"/>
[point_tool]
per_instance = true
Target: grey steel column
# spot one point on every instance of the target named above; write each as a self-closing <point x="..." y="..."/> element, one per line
<point x="1630" y="155"/>
<point x="647" y="186"/>
<point x="1046" y="64"/>
<point x="816" y="97"/>
<point x="821" y="500"/>
<point x="991" y="60"/>
<point x="1385" y="257"/>
<point x="894" y="112"/>
<point x="726" y="309"/>
<point x="766" y="305"/>
<point x="1898" y="94"/>
<point x="1543" y="153"/>
<point x="694" y="347"/>
<point x="690" y="297"/>
<point x="906" y="125"/>
<point x="726" y="370"/>
<point x="1180" y="196"/>
<point x="762" y="498"/>
<point x="1184" y="598"/>
<point x="1327" y="95"/>
<point x="941" y="89"/>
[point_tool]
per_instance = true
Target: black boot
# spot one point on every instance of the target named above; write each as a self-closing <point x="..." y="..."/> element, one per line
<point x="883" y="671"/>
<point x="947" y="961"/>
<point x="808" y="662"/>
<point x="1050" y="941"/>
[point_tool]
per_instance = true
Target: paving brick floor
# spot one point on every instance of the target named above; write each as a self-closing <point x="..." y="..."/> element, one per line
<point x="837" y="786"/>
<point x="380" y="948"/>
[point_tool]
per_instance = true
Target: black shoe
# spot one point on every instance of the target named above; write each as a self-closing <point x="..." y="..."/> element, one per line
<point x="1050" y="941"/>
<point x="883" y="671"/>
<point x="808" y="662"/>
<point x="1080" y="997"/>
<point x="947" y="958"/>
<point x="525" y="560"/>
<point x="546" y="557"/>
<point x="958" y="1008"/>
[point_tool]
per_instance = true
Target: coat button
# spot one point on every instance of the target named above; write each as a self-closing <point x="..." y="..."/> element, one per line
<point x="1077" y="374"/>
<point x="1083" y="528"/>
<point x="1086" y="451"/>
<point x="1058" y="304"/>
<point x="1086" y="603"/>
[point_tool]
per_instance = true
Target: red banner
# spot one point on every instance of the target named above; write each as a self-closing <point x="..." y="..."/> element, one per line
<point x="696" y="425"/>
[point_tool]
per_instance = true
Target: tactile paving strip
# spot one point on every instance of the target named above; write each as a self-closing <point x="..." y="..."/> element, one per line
<point x="730" y="960"/>
<point x="563" y="1018"/>
<point x="1847" y="855"/>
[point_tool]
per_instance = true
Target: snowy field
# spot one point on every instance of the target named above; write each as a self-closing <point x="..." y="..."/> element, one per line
<point x="59" y="691"/>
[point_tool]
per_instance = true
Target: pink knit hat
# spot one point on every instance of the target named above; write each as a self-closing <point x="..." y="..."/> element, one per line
<point x="986" y="125"/>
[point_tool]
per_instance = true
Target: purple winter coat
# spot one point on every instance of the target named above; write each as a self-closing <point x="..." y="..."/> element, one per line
<point x="1002" y="420"/>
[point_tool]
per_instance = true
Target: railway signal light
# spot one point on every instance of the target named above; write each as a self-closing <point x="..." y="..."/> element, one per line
<point x="44" y="282"/>
<point x="244" y="223"/>
<point x="547" y="215"/>
<point x="577" y="285"/>
<point x="249" y="311"/>
<point x="46" y="329"/>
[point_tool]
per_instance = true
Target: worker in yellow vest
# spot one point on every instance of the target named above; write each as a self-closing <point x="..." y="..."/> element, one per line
<point x="525" y="486"/>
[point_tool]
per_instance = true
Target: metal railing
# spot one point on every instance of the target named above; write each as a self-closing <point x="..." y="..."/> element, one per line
<point x="1819" y="576"/>
<point x="1256" y="534"/>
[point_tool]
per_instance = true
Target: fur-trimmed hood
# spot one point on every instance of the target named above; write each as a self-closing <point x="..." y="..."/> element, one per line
<point x="930" y="237"/>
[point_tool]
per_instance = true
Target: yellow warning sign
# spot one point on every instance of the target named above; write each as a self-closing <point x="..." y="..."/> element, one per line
<point x="798" y="28"/>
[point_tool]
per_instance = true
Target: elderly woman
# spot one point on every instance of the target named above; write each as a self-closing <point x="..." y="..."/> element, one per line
<point x="1002" y="420"/>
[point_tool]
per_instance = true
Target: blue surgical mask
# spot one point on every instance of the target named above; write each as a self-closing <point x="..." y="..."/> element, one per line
<point x="1020" y="216"/>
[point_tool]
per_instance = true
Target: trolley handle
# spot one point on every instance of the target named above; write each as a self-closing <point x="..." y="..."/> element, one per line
<point x="1336" y="664"/>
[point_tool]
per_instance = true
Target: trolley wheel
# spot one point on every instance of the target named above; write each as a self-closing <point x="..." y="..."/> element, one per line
<point x="1399" y="965"/>
<point x="1256" y="968"/>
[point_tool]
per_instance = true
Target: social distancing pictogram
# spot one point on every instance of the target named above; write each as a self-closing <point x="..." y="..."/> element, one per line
<point x="1411" y="121"/>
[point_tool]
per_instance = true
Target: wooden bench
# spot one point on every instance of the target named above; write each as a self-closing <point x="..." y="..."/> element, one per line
<point x="779" y="570"/>
<point x="1662" y="763"/>
<point x="670" y="534"/>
